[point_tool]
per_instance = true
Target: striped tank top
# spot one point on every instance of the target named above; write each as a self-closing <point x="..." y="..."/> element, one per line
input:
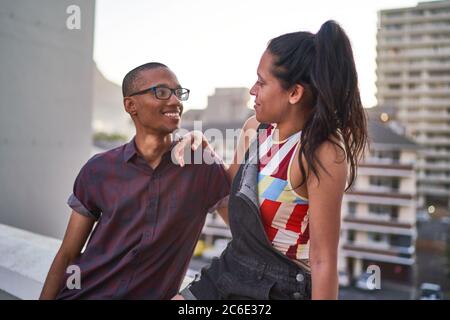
<point x="284" y="213"/>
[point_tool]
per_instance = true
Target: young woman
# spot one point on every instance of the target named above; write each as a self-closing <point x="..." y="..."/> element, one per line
<point x="285" y="201"/>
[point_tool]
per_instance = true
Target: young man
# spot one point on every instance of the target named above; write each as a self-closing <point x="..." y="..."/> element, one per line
<point x="149" y="211"/>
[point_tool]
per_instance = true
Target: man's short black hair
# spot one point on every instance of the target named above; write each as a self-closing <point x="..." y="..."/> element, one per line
<point x="128" y="83"/>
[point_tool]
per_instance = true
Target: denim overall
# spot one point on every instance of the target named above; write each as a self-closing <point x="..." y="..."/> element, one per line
<point x="249" y="267"/>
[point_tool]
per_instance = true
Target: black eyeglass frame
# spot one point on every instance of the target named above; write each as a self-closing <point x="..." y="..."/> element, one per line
<point x="172" y="91"/>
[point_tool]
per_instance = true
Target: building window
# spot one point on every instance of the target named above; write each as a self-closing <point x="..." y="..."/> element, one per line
<point x="391" y="183"/>
<point x="381" y="209"/>
<point x="414" y="74"/>
<point x="394" y="27"/>
<point x="387" y="155"/>
<point x="351" y="236"/>
<point x="394" y="86"/>
<point x="393" y="74"/>
<point x="352" y="208"/>
<point x="376" y="237"/>
<point x="400" y="240"/>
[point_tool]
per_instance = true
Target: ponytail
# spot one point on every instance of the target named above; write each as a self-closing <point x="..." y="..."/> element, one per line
<point x="324" y="62"/>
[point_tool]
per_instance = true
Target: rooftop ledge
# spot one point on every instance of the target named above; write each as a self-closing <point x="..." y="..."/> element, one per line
<point x="25" y="258"/>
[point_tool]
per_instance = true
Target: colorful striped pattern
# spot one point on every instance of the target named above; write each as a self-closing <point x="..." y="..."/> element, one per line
<point x="284" y="213"/>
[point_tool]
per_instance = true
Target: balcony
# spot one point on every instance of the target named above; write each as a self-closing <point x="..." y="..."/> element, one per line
<point x="434" y="178"/>
<point x="384" y="66"/>
<point x="381" y="189"/>
<point x="436" y="154"/>
<point x="399" y="80"/>
<point x="386" y="163"/>
<point x="410" y="54"/>
<point x="422" y="92"/>
<point x="386" y="167"/>
<point x="423" y="115"/>
<point x="375" y="219"/>
<point x="438" y="166"/>
<point x="422" y="127"/>
<point x="368" y="170"/>
<point x="425" y="102"/>
<point x="434" y="191"/>
<point x="435" y="79"/>
<point x="410" y="18"/>
<point x="387" y="247"/>
<point x="383" y="44"/>
<point x="433" y="141"/>
<point x="414" y="30"/>
<point x="399" y="255"/>
<point x="386" y="198"/>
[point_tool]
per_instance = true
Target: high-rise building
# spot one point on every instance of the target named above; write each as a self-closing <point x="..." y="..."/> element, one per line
<point x="413" y="76"/>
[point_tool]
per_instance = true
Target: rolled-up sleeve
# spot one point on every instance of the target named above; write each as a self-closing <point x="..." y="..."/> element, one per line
<point x="83" y="199"/>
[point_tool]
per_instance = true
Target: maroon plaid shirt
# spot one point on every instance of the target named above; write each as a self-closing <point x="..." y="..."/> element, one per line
<point x="148" y="223"/>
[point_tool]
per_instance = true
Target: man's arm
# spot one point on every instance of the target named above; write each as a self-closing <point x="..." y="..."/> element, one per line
<point x="76" y="235"/>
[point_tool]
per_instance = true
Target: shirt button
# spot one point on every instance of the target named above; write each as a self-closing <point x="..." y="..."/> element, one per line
<point x="297" y="295"/>
<point x="300" y="277"/>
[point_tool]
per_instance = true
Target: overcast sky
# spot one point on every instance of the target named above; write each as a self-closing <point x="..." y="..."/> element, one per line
<point x="212" y="43"/>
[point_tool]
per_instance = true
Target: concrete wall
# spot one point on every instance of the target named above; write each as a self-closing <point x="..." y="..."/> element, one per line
<point x="45" y="110"/>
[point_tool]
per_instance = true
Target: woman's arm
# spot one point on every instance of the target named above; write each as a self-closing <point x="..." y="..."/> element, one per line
<point x="248" y="132"/>
<point x="325" y="198"/>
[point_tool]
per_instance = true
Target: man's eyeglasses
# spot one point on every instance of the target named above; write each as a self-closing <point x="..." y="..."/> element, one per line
<point x="164" y="93"/>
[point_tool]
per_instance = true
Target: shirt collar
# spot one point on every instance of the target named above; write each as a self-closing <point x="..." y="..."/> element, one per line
<point x="130" y="150"/>
<point x="130" y="147"/>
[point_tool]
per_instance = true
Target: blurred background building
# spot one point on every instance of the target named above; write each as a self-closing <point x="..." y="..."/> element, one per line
<point x="109" y="116"/>
<point x="379" y="211"/>
<point x="225" y="105"/>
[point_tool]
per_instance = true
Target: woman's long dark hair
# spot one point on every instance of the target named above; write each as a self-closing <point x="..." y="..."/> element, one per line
<point x="323" y="63"/>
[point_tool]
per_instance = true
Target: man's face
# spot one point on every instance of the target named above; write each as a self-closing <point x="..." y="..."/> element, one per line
<point x="151" y="113"/>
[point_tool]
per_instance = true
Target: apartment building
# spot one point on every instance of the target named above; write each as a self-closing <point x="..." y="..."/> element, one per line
<point x="379" y="211"/>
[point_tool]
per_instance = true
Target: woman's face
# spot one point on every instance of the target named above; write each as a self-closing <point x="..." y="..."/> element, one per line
<point x="271" y="100"/>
